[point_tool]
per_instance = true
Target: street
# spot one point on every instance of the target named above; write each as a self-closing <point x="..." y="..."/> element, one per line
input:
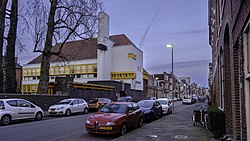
<point x="57" y="128"/>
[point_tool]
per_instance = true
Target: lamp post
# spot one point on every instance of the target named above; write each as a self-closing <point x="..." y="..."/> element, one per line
<point x="172" y="72"/>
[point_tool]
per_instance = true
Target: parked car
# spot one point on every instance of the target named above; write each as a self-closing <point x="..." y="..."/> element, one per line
<point x="15" y="109"/>
<point x="124" y="99"/>
<point x="96" y="103"/>
<point x="188" y="100"/>
<point x="151" y="109"/>
<point x="69" y="106"/>
<point x="167" y="105"/>
<point x="115" y="118"/>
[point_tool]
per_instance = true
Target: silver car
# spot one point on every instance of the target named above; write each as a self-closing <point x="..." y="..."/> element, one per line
<point x="14" y="109"/>
<point x="69" y="106"/>
<point x="167" y="105"/>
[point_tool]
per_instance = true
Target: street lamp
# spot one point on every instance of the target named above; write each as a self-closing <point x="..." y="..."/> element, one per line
<point x="172" y="71"/>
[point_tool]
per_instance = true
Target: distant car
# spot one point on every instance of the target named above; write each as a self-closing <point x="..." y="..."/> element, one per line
<point x="15" y="109"/>
<point x="115" y="118"/>
<point x="166" y="104"/>
<point x="96" y="103"/>
<point x="69" y="106"/>
<point x="188" y="100"/>
<point x="151" y="109"/>
<point x="124" y="99"/>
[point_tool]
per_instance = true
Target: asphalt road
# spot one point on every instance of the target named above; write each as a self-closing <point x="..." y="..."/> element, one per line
<point x="55" y="128"/>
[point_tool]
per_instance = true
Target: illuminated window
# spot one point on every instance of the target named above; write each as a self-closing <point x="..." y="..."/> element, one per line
<point x="78" y="69"/>
<point x="24" y="72"/>
<point x="61" y="70"/>
<point x="37" y="72"/>
<point x="90" y="68"/>
<point x="66" y="70"/>
<point x="83" y="68"/>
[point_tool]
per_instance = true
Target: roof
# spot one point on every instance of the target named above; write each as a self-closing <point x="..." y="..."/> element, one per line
<point x="82" y="49"/>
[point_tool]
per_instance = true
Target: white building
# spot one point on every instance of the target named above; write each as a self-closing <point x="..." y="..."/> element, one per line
<point x="105" y="58"/>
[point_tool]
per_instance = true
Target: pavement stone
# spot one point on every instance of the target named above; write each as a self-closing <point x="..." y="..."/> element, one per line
<point x="174" y="127"/>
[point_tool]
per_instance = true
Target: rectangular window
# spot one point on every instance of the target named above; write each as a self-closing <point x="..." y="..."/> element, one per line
<point x="29" y="72"/>
<point x="38" y="72"/>
<point x="95" y="68"/>
<point x="25" y="72"/>
<point x="78" y="69"/>
<point x="72" y="70"/>
<point x="83" y="68"/>
<point x="56" y="71"/>
<point x="52" y="71"/>
<point x="33" y="72"/>
<point x="66" y="70"/>
<point x="61" y="70"/>
<point x="90" y="68"/>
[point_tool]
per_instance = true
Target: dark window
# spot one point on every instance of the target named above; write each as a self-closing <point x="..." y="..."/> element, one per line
<point x="12" y="103"/>
<point x="2" y="105"/>
<point x="78" y="76"/>
<point x="22" y="103"/>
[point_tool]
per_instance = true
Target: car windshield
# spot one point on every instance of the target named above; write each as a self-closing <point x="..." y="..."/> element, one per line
<point x="146" y="103"/>
<point x="163" y="102"/>
<point x="113" y="108"/>
<point x="123" y="99"/>
<point x="93" y="101"/>
<point x="64" y="102"/>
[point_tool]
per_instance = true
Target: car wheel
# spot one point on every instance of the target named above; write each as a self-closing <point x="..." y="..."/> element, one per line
<point x="85" y="110"/>
<point x="68" y="112"/>
<point x="39" y="116"/>
<point x="5" y="120"/>
<point x="123" y="129"/>
<point x="140" y="123"/>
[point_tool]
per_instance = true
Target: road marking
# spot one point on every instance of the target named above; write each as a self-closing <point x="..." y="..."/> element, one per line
<point x="183" y="108"/>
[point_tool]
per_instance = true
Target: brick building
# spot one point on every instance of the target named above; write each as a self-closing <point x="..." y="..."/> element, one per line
<point x="229" y="38"/>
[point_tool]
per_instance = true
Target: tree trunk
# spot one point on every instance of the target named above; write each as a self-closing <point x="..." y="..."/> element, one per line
<point x="45" y="65"/>
<point x="3" y="4"/>
<point x="11" y="84"/>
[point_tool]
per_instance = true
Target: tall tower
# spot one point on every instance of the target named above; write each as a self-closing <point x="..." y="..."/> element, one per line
<point x="104" y="54"/>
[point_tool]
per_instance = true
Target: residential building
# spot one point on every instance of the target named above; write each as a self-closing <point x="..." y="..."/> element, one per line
<point x="229" y="38"/>
<point x="105" y="58"/>
<point x="163" y="81"/>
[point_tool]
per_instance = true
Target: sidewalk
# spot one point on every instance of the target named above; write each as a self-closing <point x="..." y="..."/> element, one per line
<point x="175" y="127"/>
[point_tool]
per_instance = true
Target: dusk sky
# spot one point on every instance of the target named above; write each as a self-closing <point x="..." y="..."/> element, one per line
<point x="180" y="22"/>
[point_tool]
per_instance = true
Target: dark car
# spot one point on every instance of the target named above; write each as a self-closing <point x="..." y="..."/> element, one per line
<point x="124" y="99"/>
<point x="115" y="118"/>
<point x="151" y="109"/>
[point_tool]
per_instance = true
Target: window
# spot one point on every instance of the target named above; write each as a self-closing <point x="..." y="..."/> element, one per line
<point x="37" y="72"/>
<point x="78" y="69"/>
<point x="56" y="70"/>
<point x="33" y="72"/>
<point x="78" y="76"/>
<point x="95" y="68"/>
<point x="72" y="69"/>
<point x="21" y="103"/>
<point x="52" y="71"/>
<point x="89" y="68"/>
<point x="83" y="68"/>
<point x="24" y="72"/>
<point x="62" y="70"/>
<point x="66" y="70"/>
<point x="12" y="103"/>
<point x="75" y="102"/>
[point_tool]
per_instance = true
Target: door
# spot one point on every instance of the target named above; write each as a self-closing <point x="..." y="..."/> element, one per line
<point x="12" y="106"/>
<point x="75" y="106"/>
<point x="130" y="115"/>
<point x="26" y="109"/>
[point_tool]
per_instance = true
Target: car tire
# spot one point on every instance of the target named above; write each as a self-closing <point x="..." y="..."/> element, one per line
<point x="124" y="129"/>
<point x="39" y="116"/>
<point x="67" y="112"/>
<point x="85" y="111"/>
<point x="140" y="123"/>
<point x="6" y="119"/>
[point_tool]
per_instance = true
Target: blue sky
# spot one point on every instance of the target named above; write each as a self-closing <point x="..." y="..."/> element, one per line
<point x="180" y="22"/>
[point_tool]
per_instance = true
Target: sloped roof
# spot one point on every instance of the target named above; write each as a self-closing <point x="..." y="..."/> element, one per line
<point x="81" y="49"/>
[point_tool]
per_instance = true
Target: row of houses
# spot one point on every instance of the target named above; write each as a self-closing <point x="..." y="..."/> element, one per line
<point x="229" y="38"/>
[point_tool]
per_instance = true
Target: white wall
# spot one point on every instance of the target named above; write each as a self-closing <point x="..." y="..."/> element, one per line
<point x="121" y="63"/>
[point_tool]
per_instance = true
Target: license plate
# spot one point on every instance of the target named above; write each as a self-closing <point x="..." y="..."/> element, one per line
<point x="106" y="128"/>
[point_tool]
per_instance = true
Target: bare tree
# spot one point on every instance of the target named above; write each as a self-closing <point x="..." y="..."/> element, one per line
<point x="59" y="21"/>
<point x="10" y="50"/>
<point x="3" y="4"/>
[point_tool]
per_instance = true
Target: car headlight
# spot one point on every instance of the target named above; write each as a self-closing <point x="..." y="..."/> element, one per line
<point x="146" y="112"/>
<point x="110" y="123"/>
<point x="88" y="122"/>
<point x="60" y="108"/>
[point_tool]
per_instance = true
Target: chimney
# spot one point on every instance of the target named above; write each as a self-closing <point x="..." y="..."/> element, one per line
<point x="103" y="28"/>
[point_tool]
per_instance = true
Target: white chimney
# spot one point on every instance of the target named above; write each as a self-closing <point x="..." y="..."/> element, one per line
<point x="103" y="28"/>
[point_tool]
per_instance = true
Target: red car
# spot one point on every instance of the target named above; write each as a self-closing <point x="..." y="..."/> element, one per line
<point x="115" y="118"/>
